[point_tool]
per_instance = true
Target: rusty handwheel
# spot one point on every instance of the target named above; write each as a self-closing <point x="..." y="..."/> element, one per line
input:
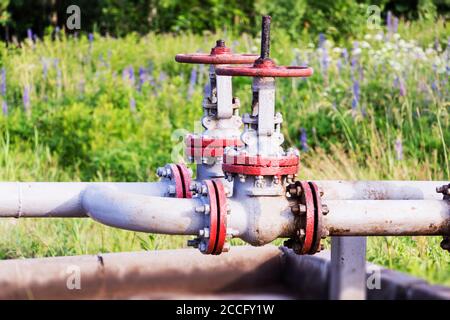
<point x="264" y="66"/>
<point x="220" y="54"/>
<point x="308" y="217"/>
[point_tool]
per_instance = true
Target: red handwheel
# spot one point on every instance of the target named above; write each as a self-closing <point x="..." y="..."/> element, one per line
<point x="220" y="54"/>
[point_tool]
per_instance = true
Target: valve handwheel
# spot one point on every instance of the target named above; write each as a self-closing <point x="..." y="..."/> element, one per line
<point x="264" y="66"/>
<point x="220" y="54"/>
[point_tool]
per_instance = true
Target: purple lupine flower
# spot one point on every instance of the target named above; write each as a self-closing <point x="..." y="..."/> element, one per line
<point x="58" y="73"/>
<point x="192" y="82"/>
<point x="321" y="40"/>
<point x="26" y="98"/>
<point x="345" y="55"/>
<point x="30" y="34"/>
<point x="91" y="38"/>
<point x="355" y="99"/>
<point x="4" y="107"/>
<point x="3" y="82"/>
<point x="324" y="59"/>
<point x="399" y="149"/>
<point x="162" y="77"/>
<point x="402" y="88"/>
<point x="396" y="82"/>
<point x="142" y="78"/>
<point x="44" y="69"/>
<point x="132" y="104"/>
<point x="304" y="140"/>
<point x="131" y="75"/>
<point x="389" y="22"/>
<point x="339" y="65"/>
<point x="395" y="25"/>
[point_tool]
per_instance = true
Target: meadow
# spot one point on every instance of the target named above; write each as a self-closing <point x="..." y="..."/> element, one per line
<point x="92" y="108"/>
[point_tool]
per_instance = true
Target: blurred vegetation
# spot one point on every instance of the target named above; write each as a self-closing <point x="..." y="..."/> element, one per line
<point x="340" y="19"/>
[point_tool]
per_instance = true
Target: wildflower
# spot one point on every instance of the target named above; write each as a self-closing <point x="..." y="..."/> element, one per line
<point x="4" y="107"/>
<point x="142" y="78"/>
<point x="30" y="35"/>
<point x="91" y="37"/>
<point x="402" y="88"/>
<point x="131" y="75"/>
<point x="321" y="40"/>
<point x="132" y="104"/>
<point x="192" y="82"/>
<point x="395" y="25"/>
<point x="26" y="98"/>
<point x="3" y="82"/>
<point x="389" y="22"/>
<point x="304" y="140"/>
<point x="399" y="149"/>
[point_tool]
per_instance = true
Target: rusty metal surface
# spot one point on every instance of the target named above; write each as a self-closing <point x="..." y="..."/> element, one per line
<point x="153" y="274"/>
<point x="275" y="71"/>
<point x="245" y="273"/>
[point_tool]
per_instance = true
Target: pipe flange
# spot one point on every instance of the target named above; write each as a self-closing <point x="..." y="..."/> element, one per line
<point x="308" y="217"/>
<point x="181" y="177"/>
<point x="445" y="190"/>
<point x="202" y="147"/>
<point x="244" y="164"/>
<point x="212" y="238"/>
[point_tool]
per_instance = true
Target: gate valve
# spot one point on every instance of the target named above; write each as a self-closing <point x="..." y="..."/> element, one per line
<point x="179" y="177"/>
<point x="263" y="154"/>
<point x="212" y="238"/>
<point x="221" y="118"/>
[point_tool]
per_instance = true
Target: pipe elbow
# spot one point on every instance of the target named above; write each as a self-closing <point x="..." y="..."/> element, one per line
<point x="142" y="213"/>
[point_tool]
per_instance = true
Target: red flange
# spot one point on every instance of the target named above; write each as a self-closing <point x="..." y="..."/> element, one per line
<point x="308" y="217"/>
<point x="197" y="142"/>
<point x="261" y="166"/>
<point x="259" y="171"/>
<point x="204" y="152"/>
<point x="265" y="68"/>
<point x="260" y="161"/>
<point x="182" y="179"/>
<point x="220" y="54"/>
<point x="218" y="216"/>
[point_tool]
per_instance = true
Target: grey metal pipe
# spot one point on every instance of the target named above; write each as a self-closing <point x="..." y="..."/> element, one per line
<point x="389" y="217"/>
<point x="60" y="199"/>
<point x="380" y="190"/>
<point x="142" y="213"/>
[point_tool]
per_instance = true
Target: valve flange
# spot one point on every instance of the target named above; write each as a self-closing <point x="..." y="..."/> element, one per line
<point x="212" y="238"/>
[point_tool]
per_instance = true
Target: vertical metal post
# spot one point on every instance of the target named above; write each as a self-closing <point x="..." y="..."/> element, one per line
<point x="348" y="268"/>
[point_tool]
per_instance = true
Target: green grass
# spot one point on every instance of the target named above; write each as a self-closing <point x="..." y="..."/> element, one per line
<point x="86" y="120"/>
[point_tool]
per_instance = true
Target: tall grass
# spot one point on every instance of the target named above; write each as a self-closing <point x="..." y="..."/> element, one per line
<point x="105" y="109"/>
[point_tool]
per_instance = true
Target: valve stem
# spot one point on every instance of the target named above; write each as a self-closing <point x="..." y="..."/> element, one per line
<point x="265" y="37"/>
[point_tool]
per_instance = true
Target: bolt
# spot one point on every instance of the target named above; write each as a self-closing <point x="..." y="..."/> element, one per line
<point x="204" y="190"/>
<point x="242" y="178"/>
<point x="259" y="182"/>
<point x="445" y="243"/>
<point x="276" y="180"/>
<point x="226" y="247"/>
<point x="325" y="209"/>
<point x="193" y="243"/>
<point x="171" y="189"/>
<point x="321" y="191"/>
<point x="228" y="208"/>
<point x="203" y="209"/>
<point x="445" y="189"/>
<point x="321" y="247"/>
<point x="288" y="243"/>
<point x="325" y="234"/>
<point x="202" y="247"/>
<point x="301" y="233"/>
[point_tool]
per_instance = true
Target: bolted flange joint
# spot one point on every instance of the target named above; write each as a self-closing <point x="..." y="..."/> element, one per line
<point x="212" y="238"/>
<point x="308" y="210"/>
<point x="180" y="177"/>
<point x="445" y="190"/>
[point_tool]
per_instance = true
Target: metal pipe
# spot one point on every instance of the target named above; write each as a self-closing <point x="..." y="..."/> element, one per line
<point x="60" y="199"/>
<point x="387" y="218"/>
<point x="379" y="190"/>
<point x="265" y="37"/>
<point x="136" y="212"/>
